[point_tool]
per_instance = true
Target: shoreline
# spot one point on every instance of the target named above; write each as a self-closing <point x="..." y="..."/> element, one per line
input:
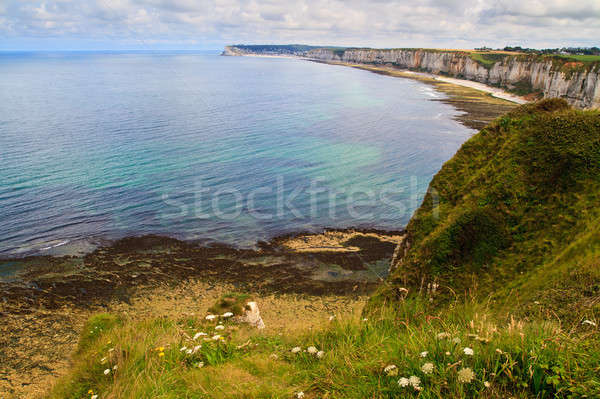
<point x="46" y="305"/>
<point x="406" y="73"/>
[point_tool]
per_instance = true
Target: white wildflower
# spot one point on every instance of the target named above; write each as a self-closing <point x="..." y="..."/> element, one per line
<point x="227" y="315"/>
<point x="591" y="323"/>
<point x="189" y="351"/>
<point x="196" y="348"/>
<point x="465" y="375"/>
<point x="448" y="353"/>
<point x="427" y="368"/>
<point x="365" y="319"/>
<point x="106" y="371"/>
<point x="296" y="349"/>
<point x="403" y="382"/>
<point x="216" y="337"/>
<point x="103" y="360"/>
<point x="300" y="395"/>
<point x="211" y="317"/>
<point x="219" y="327"/>
<point x="391" y="370"/>
<point x="487" y="384"/>
<point x="468" y="351"/>
<point x="424" y="354"/>
<point x="320" y="354"/>
<point x="312" y="350"/>
<point x="198" y="335"/>
<point x="94" y="397"/>
<point x="115" y="367"/>
<point x="200" y="365"/>
<point x="415" y="382"/>
<point x="183" y="348"/>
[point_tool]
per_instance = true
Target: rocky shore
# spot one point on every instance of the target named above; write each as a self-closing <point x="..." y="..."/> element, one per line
<point x="45" y="303"/>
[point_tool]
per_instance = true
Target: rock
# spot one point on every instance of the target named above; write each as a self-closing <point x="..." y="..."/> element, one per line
<point x="252" y="316"/>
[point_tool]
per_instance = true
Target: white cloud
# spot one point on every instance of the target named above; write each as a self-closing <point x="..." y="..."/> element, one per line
<point x="378" y="23"/>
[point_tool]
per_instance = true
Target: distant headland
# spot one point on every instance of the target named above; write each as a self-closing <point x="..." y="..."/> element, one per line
<point x="532" y="74"/>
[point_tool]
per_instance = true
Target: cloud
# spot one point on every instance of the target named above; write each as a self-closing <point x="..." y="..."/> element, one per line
<point x="375" y="23"/>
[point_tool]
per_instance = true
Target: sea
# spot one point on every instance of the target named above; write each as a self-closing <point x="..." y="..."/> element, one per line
<point x="96" y="146"/>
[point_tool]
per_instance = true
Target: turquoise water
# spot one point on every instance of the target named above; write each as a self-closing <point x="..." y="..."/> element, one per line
<point x="202" y="147"/>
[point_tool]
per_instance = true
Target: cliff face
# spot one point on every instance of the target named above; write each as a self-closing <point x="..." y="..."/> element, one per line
<point x="579" y="86"/>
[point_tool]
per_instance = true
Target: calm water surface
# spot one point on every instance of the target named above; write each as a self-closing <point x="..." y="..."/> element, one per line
<point x="197" y="146"/>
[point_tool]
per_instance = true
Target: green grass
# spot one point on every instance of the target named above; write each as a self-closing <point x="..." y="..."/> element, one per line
<point x="510" y="358"/>
<point x="507" y="206"/>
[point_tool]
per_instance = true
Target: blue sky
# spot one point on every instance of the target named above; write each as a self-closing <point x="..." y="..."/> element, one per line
<point x="211" y="24"/>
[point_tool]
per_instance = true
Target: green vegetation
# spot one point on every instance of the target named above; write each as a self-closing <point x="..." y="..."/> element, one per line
<point x="456" y="352"/>
<point x="497" y="294"/>
<point x="488" y="60"/>
<point x="504" y="210"/>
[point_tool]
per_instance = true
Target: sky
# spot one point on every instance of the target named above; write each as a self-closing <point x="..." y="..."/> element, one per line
<point x="212" y="24"/>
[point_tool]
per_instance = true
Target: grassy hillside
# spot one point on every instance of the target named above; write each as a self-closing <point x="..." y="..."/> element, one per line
<point x="514" y="214"/>
<point x="495" y="293"/>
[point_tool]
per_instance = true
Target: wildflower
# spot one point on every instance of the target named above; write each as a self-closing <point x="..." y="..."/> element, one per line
<point x="196" y="348"/>
<point x="296" y="349"/>
<point x="468" y="351"/>
<point x="210" y="317"/>
<point x="415" y="382"/>
<point x="200" y="365"/>
<point x="365" y="319"/>
<point x="300" y="395"/>
<point x="424" y="354"/>
<point x="189" y="351"/>
<point x="183" y="348"/>
<point x="106" y="372"/>
<point x="466" y="375"/>
<point x="115" y="367"/>
<point x="94" y="397"/>
<point x="91" y="392"/>
<point x="227" y="315"/>
<point x="391" y="370"/>
<point x="198" y="335"/>
<point x="486" y="384"/>
<point x="443" y="335"/>
<point x="403" y="382"/>
<point x="331" y="318"/>
<point x="427" y="368"/>
<point x="448" y="353"/>
<point x="312" y="350"/>
<point x="216" y="337"/>
<point x="161" y="354"/>
<point x="160" y="349"/>
<point x="103" y="360"/>
<point x="456" y="340"/>
<point x="591" y="323"/>
<point x="220" y="327"/>
<point x="320" y="354"/>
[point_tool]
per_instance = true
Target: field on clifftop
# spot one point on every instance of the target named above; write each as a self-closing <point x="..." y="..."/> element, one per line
<point x="495" y="292"/>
